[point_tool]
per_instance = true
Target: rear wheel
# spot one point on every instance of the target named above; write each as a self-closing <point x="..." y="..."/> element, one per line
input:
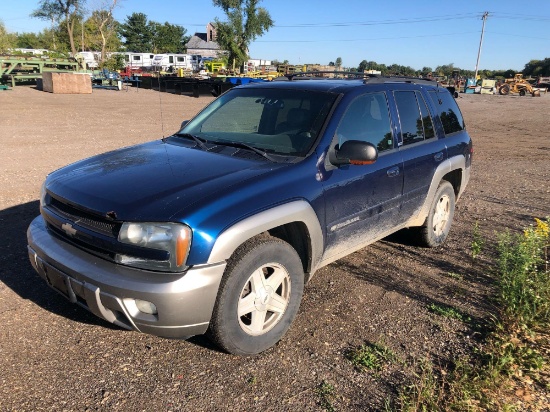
<point x="438" y="223"/>
<point x="522" y="92"/>
<point x="259" y="296"/>
<point x="504" y="89"/>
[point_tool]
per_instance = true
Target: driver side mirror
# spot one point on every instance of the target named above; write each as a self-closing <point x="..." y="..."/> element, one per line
<point x="355" y="152"/>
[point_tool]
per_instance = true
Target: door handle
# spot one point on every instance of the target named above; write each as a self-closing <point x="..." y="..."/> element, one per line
<point x="394" y="171"/>
<point x="438" y="157"/>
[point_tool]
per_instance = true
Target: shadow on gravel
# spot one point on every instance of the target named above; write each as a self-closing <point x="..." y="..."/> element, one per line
<point x="435" y="288"/>
<point x="17" y="273"/>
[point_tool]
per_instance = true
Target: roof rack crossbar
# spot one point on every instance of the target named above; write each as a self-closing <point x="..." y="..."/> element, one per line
<point x="367" y="77"/>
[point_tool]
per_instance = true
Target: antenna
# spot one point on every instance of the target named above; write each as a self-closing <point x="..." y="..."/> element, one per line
<point x="160" y="105"/>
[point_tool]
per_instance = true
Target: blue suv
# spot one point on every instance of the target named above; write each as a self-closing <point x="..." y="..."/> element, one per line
<point x="217" y="228"/>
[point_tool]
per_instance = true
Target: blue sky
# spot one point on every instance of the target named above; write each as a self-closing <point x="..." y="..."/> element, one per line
<point x="411" y="33"/>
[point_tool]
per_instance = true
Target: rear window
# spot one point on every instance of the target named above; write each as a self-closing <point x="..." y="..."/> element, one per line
<point x="448" y="111"/>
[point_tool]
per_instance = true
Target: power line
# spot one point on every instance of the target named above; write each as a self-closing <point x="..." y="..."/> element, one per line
<point x="369" y="39"/>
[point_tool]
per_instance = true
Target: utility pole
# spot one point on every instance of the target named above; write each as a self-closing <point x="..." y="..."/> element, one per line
<point x="484" y="18"/>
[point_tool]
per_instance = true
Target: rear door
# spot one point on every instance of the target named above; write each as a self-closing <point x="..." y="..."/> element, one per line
<point x="421" y="149"/>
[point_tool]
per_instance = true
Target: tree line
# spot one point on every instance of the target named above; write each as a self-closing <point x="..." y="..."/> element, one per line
<point x="73" y="27"/>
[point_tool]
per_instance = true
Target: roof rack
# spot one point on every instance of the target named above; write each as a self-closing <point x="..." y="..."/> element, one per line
<point x="367" y="77"/>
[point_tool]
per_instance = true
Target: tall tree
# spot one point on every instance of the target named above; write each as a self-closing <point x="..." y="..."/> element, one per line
<point x="338" y="63"/>
<point x="445" y="70"/>
<point x="363" y="66"/>
<point x="68" y="11"/>
<point x="245" y="22"/>
<point x="7" y="40"/>
<point x="137" y="33"/>
<point x="168" y="38"/>
<point x="102" y="18"/>
<point x="28" y="40"/>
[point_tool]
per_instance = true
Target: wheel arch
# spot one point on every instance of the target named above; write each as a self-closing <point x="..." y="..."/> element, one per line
<point x="454" y="171"/>
<point x="295" y="222"/>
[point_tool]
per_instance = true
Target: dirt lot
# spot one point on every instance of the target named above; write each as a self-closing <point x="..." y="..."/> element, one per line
<point x="56" y="356"/>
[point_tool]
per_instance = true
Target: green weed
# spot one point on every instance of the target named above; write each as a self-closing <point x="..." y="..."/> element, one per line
<point x="512" y="349"/>
<point x="448" y="312"/>
<point x="477" y="241"/>
<point x="326" y="393"/>
<point x="371" y="356"/>
<point x="524" y="278"/>
<point x="454" y="275"/>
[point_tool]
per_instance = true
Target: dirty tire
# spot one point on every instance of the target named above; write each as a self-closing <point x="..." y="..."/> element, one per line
<point x="522" y="92"/>
<point x="504" y="89"/>
<point x="259" y="296"/>
<point x="438" y="223"/>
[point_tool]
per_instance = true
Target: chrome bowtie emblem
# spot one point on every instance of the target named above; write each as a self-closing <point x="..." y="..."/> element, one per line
<point x="68" y="229"/>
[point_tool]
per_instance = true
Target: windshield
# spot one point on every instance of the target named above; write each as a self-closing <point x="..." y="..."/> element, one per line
<point x="279" y="121"/>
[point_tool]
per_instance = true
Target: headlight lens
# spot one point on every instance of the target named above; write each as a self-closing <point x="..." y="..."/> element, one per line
<point x="174" y="238"/>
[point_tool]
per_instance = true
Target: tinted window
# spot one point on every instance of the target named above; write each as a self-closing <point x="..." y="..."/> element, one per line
<point x="412" y="128"/>
<point x="426" y="118"/>
<point x="367" y="119"/>
<point x="448" y="111"/>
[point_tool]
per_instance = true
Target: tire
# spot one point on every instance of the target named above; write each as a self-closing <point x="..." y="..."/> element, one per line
<point x="504" y="89"/>
<point x="438" y="223"/>
<point x="522" y="92"/>
<point x="259" y="296"/>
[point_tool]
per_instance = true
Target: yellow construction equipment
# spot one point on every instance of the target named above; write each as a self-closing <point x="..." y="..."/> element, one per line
<point x="518" y="85"/>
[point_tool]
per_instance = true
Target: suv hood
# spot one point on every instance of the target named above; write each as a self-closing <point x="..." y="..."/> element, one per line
<point x="149" y="181"/>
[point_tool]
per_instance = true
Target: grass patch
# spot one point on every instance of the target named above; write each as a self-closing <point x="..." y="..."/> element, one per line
<point x="448" y="312"/>
<point x="370" y="356"/>
<point x="326" y="393"/>
<point x="454" y="275"/>
<point x="513" y="355"/>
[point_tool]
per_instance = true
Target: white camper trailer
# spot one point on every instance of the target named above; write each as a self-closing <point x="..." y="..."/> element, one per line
<point x="138" y="60"/>
<point x="172" y="62"/>
<point x="91" y="59"/>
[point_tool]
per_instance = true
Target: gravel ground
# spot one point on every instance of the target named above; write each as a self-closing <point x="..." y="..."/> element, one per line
<point x="57" y="356"/>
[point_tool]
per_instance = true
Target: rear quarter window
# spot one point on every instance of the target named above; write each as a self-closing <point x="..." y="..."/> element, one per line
<point x="448" y="111"/>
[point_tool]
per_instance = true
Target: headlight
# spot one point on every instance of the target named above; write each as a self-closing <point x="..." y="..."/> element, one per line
<point x="173" y="238"/>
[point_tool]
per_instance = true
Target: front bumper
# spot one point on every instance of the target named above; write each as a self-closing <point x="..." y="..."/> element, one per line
<point x="184" y="301"/>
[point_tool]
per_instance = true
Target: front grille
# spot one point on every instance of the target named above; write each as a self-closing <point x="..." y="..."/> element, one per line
<point x="91" y="232"/>
<point x="83" y="218"/>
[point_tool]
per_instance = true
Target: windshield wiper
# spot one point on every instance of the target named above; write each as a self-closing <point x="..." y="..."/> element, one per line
<point x="197" y="140"/>
<point x="246" y="146"/>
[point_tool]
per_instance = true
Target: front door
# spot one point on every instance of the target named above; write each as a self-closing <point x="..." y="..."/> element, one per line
<point x="363" y="201"/>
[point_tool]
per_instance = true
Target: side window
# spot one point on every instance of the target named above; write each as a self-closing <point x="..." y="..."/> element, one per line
<point x="412" y="128"/>
<point x="367" y="119"/>
<point x="426" y="118"/>
<point x="448" y="111"/>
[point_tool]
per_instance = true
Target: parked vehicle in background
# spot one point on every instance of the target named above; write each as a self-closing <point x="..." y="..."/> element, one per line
<point x="172" y="62"/>
<point x="91" y="59"/>
<point x="217" y="228"/>
<point x="138" y="60"/>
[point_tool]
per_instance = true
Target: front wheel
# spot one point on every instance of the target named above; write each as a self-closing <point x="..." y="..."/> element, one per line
<point x="259" y="296"/>
<point x="438" y="223"/>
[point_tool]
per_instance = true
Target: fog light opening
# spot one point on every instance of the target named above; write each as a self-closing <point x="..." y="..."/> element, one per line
<point x="146" y="307"/>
